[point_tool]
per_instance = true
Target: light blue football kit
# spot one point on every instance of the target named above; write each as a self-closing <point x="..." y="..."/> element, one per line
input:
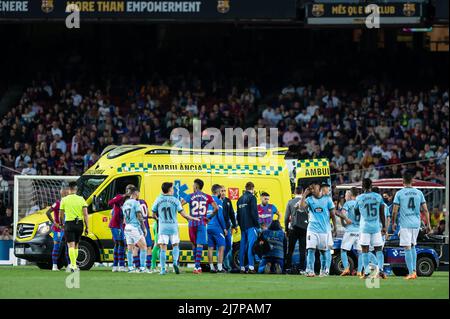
<point x="409" y="200"/>
<point x="167" y="208"/>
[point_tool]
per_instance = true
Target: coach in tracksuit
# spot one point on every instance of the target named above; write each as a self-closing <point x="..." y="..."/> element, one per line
<point x="247" y="216"/>
<point x="230" y="222"/>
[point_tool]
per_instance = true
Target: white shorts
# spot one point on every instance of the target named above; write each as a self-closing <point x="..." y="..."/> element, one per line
<point x="375" y="239"/>
<point x="165" y="239"/>
<point x="350" y="240"/>
<point x="321" y="241"/>
<point x="133" y="234"/>
<point x="408" y="236"/>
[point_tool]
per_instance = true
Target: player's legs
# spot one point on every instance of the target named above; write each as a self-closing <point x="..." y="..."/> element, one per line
<point x="162" y="258"/>
<point x="200" y="240"/>
<point x="292" y="240"/>
<point x="175" y="240"/>
<point x="328" y="257"/>
<point x="116" y="248"/>
<point x="221" y="251"/>
<point x="348" y="240"/>
<point x="407" y="241"/>
<point x="132" y="236"/>
<point x="312" y="242"/>
<point x="56" y="249"/>
<point x="142" y="248"/>
<point x="211" y="247"/>
<point x="242" y="250"/>
<point x="252" y="236"/>
<point x="163" y="241"/>
<point x="155" y="250"/>
<point x="310" y="261"/>
<point x="365" y="239"/>
<point x="130" y="248"/>
<point x="322" y="261"/>
<point x="73" y="233"/>
<point x="227" y="251"/>
<point x="149" y="243"/>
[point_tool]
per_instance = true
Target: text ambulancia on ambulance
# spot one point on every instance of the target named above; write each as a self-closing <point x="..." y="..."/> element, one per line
<point x="147" y="167"/>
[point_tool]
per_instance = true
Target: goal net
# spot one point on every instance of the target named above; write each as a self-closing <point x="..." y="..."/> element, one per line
<point x="33" y="193"/>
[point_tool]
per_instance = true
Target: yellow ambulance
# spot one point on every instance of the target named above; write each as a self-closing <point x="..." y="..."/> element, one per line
<point x="148" y="167"/>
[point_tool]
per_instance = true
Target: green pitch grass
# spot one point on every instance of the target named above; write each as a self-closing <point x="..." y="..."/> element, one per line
<point x="31" y="282"/>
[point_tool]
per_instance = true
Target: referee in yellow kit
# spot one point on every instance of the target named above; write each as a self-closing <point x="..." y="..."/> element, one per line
<point x="73" y="210"/>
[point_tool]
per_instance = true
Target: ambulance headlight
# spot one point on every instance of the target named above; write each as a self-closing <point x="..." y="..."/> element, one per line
<point x="43" y="229"/>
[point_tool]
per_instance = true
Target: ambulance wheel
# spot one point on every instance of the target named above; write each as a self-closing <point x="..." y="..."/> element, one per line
<point x="86" y="255"/>
<point x="337" y="266"/>
<point x="425" y="266"/>
<point x="235" y="253"/>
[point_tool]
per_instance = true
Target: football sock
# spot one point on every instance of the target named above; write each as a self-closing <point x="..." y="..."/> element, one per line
<point x="414" y="257"/>
<point x="323" y="260"/>
<point x="116" y="255"/>
<point x="121" y="255"/>
<point x="365" y="259"/>
<point x="142" y="257"/>
<point x="380" y="259"/>
<point x="311" y="260"/>
<point x="73" y="259"/>
<point x="344" y="258"/>
<point x="136" y="261"/>
<point x="149" y="261"/>
<point x="130" y="258"/>
<point x="372" y="258"/>
<point x="155" y="254"/>
<point x="328" y="260"/>
<point x="55" y="253"/>
<point x="409" y="260"/>
<point x="175" y="254"/>
<point x="198" y="256"/>
<point x="162" y="259"/>
<point x="360" y="262"/>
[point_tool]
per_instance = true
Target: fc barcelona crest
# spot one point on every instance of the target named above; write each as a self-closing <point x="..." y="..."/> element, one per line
<point x="409" y="9"/>
<point x="318" y="10"/>
<point x="223" y="6"/>
<point x="47" y="6"/>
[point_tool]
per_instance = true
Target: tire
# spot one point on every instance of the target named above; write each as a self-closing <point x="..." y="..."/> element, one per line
<point x="400" y="272"/>
<point x="86" y="255"/>
<point x="235" y="252"/>
<point x="44" y="265"/>
<point x="337" y="267"/>
<point x="425" y="266"/>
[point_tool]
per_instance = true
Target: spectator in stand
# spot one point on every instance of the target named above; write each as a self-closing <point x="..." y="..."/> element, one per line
<point x="29" y="170"/>
<point x="7" y="220"/>
<point x="6" y="234"/>
<point x="374" y="128"/>
<point x="290" y="135"/>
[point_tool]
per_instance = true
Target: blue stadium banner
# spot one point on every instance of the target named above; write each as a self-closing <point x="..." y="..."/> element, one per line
<point x="344" y="13"/>
<point x="188" y="10"/>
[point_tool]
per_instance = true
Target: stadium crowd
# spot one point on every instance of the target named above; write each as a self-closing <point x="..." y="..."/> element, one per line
<point x="376" y="132"/>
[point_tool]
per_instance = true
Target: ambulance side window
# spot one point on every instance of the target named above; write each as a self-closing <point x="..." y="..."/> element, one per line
<point x="117" y="186"/>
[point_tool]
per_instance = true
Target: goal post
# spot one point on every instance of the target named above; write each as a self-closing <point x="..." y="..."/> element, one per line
<point x="36" y="192"/>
